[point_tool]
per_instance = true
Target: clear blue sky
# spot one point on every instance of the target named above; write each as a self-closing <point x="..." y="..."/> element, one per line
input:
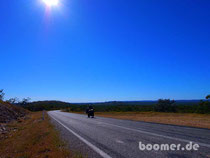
<point x="101" y="50"/>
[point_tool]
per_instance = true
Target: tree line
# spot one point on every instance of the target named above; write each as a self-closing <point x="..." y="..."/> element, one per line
<point x="162" y="105"/>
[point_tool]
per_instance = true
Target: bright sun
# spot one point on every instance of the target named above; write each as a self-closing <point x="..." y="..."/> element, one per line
<point x="50" y="2"/>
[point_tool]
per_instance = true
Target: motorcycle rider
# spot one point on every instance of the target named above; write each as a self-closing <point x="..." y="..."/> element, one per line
<point x="90" y="111"/>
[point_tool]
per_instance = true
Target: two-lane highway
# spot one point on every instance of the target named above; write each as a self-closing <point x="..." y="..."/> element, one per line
<point x="114" y="138"/>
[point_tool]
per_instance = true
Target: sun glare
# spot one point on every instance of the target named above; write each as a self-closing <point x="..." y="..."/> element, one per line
<point x="51" y="2"/>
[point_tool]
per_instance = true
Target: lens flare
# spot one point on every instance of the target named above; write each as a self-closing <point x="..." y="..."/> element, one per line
<point x="50" y="3"/>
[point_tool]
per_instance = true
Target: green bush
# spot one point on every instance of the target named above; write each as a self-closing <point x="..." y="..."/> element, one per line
<point x="204" y="107"/>
<point x="165" y="105"/>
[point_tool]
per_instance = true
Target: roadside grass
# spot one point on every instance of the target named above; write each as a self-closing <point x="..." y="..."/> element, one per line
<point x="184" y="119"/>
<point x="32" y="138"/>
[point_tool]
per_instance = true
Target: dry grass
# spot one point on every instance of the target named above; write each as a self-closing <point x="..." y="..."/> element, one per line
<point x="193" y="120"/>
<point x="32" y="138"/>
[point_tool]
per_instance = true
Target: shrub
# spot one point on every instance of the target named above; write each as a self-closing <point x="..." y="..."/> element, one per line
<point x="165" y="105"/>
<point x="204" y="107"/>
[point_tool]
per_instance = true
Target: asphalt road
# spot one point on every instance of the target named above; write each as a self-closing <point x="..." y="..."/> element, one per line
<point x="114" y="138"/>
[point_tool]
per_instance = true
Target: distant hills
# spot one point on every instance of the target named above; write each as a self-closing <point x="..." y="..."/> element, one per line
<point x="143" y="102"/>
<point x="146" y="105"/>
<point x="61" y="104"/>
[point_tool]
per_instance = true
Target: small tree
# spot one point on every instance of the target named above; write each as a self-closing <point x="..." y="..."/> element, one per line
<point x="25" y="101"/>
<point x="13" y="100"/>
<point x="208" y="96"/>
<point x="204" y="106"/>
<point x="2" y="94"/>
<point x="165" y="105"/>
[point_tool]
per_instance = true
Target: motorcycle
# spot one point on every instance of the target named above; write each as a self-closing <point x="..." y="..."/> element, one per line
<point x="90" y="112"/>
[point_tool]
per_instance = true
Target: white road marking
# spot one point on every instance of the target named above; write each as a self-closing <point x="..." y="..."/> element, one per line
<point x="159" y="135"/>
<point x="119" y="141"/>
<point x="99" y="151"/>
